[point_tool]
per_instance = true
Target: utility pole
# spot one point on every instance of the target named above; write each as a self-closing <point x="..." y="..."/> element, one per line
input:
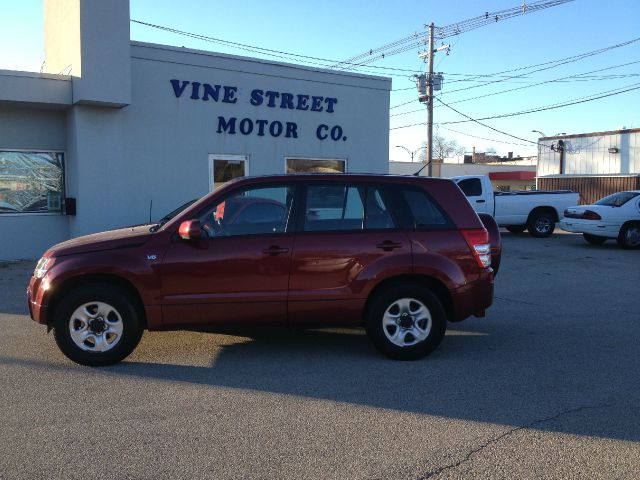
<point x="430" y="105"/>
<point x="426" y="86"/>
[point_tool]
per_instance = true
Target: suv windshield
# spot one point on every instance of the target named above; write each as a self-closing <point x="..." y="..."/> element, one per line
<point x="172" y="214"/>
<point x="617" y="199"/>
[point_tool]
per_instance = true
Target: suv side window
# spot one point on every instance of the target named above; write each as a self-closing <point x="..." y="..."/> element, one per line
<point x="333" y="207"/>
<point x="426" y="213"/>
<point x="346" y="207"/>
<point x="251" y="211"/>
<point x="471" y="187"/>
<point x="378" y="215"/>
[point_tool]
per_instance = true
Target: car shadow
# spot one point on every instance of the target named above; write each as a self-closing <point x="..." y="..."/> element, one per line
<point x="474" y="375"/>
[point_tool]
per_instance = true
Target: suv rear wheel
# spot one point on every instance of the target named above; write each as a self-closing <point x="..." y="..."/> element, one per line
<point x="406" y="321"/>
<point x="97" y="325"/>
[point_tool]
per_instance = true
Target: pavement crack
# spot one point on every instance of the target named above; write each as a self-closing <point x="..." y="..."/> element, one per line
<point x="497" y="439"/>
<point x="512" y="300"/>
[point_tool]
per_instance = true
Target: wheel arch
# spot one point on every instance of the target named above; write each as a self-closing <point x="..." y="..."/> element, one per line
<point x="629" y="222"/>
<point x="544" y="209"/>
<point x="435" y="285"/>
<point x="119" y="282"/>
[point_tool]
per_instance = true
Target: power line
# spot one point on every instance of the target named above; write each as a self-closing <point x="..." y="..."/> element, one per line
<point x="555" y="64"/>
<point x="288" y="56"/>
<point x="597" y="96"/>
<point x="415" y="40"/>
<point x="545" y="82"/>
<point x="483" y="138"/>
<point x="552" y="64"/>
<point x="608" y="93"/>
<point x="485" y="125"/>
<point x="561" y="79"/>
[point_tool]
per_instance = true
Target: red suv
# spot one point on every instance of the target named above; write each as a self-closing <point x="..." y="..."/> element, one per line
<point x="397" y="255"/>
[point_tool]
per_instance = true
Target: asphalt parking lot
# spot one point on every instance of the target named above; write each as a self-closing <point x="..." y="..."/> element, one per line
<point x="546" y="386"/>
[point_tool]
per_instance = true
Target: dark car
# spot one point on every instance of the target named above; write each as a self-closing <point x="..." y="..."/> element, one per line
<point x="400" y="256"/>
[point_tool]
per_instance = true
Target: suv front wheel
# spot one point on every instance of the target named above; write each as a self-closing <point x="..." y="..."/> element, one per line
<point x="406" y="321"/>
<point x="97" y="325"/>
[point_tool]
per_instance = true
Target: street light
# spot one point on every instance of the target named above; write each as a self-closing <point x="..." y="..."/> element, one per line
<point x="411" y="152"/>
<point x="538" y="131"/>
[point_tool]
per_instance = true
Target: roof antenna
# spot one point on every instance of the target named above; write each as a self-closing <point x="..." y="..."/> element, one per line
<point x="423" y="167"/>
<point x="150" y="207"/>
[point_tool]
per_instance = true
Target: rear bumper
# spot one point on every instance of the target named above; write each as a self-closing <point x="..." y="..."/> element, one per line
<point x="591" y="227"/>
<point x="473" y="298"/>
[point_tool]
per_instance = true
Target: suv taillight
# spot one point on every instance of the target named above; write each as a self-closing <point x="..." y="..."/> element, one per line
<point x="478" y="241"/>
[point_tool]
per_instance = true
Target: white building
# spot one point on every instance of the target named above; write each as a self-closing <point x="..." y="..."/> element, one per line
<point x="594" y="164"/>
<point x="114" y="125"/>
<point x="503" y="177"/>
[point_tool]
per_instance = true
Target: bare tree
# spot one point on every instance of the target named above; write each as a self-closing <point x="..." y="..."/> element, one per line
<point x="442" y="148"/>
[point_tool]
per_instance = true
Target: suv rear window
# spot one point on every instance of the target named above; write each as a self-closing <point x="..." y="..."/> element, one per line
<point x="425" y="212"/>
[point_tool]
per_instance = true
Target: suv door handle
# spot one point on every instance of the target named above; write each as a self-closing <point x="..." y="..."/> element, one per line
<point x="480" y="201"/>
<point x="274" y="250"/>
<point x="388" y="245"/>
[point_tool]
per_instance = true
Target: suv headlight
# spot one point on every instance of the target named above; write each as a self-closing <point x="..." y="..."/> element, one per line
<point x="43" y="266"/>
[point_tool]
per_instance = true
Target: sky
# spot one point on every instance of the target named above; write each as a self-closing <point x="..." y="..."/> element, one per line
<point x="341" y="29"/>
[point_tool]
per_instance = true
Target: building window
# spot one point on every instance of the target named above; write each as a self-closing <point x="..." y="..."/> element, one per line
<point x="223" y="168"/>
<point x="312" y="165"/>
<point x="31" y="182"/>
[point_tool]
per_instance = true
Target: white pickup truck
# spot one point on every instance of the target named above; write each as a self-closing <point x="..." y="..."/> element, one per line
<point x="537" y="211"/>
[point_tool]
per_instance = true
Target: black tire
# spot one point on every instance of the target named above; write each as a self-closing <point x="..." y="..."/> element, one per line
<point x="119" y="311"/>
<point x="388" y="299"/>
<point x="629" y="237"/>
<point x="541" y="224"/>
<point x="516" y="228"/>
<point x="594" y="239"/>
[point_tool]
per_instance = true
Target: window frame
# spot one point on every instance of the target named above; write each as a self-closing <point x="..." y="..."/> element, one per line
<point x="62" y="211"/>
<point x="291" y="222"/>
<point x="475" y="180"/>
<point x="387" y="197"/>
<point x="212" y="157"/>
<point x="407" y="221"/>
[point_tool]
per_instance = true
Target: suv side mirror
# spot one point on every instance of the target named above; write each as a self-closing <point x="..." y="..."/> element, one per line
<point x="190" y="230"/>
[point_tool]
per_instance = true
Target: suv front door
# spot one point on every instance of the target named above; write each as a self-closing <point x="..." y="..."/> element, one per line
<point x="240" y="267"/>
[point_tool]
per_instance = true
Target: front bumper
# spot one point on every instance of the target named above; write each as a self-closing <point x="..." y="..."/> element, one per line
<point x="36" y="301"/>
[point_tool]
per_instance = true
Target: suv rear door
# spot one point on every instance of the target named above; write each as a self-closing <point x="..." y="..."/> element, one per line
<point x="348" y="238"/>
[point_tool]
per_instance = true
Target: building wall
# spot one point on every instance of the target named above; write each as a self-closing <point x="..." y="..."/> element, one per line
<point x="24" y="128"/>
<point x="157" y="149"/>
<point x="588" y="154"/>
<point x="591" y="188"/>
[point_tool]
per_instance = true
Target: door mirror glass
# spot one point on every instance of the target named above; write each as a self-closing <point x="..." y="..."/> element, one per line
<point x="190" y="230"/>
